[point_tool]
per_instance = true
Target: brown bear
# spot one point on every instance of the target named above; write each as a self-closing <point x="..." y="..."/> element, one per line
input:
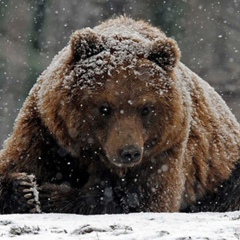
<point x="117" y="124"/>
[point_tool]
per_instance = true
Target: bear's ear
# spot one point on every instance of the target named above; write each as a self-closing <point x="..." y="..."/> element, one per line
<point x="165" y="53"/>
<point x="86" y="43"/>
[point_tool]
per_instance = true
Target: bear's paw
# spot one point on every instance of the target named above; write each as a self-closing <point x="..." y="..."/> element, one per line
<point x="19" y="194"/>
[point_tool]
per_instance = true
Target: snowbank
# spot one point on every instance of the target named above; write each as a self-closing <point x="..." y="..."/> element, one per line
<point x="139" y="226"/>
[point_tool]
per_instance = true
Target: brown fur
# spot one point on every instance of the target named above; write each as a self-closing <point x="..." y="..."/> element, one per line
<point x="117" y="87"/>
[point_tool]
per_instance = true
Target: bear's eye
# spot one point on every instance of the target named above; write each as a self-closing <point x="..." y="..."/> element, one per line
<point x="105" y="109"/>
<point x="145" y="111"/>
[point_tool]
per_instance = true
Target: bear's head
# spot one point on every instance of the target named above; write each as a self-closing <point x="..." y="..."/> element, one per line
<point x="119" y="99"/>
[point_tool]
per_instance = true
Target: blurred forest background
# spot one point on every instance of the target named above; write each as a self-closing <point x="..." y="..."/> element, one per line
<point x="33" y="31"/>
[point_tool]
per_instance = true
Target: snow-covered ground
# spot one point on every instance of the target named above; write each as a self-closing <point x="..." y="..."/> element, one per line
<point x="139" y="226"/>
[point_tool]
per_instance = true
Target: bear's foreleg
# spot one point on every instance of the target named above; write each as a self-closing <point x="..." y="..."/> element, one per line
<point x="64" y="199"/>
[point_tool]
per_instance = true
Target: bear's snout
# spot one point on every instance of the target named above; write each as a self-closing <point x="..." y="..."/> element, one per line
<point x="124" y="145"/>
<point x="130" y="154"/>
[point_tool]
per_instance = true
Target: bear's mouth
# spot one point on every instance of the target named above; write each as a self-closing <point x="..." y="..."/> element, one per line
<point x="125" y="164"/>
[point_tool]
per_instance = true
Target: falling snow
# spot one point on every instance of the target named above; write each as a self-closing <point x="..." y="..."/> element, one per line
<point x="134" y="226"/>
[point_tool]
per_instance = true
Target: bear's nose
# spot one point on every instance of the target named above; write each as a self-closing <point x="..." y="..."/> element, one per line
<point x="130" y="154"/>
